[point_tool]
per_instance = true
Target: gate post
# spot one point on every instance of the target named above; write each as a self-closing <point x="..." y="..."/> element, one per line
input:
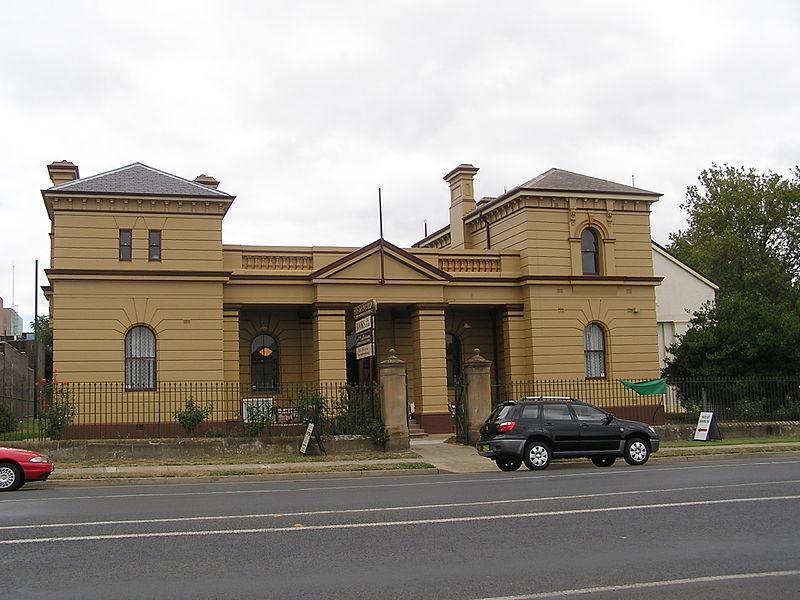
<point x="394" y="402"/>
<point x="477" y="372"/>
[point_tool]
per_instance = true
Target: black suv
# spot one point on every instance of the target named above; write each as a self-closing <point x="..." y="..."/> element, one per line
<point x="538" y="429"/>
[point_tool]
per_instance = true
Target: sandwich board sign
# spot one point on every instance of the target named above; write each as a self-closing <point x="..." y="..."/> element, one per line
<point x="705" y="424"/>
<point x="312" y="429"/>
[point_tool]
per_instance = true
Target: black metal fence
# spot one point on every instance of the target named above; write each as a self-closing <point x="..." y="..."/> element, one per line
<point x="175" y="409"/>
<point x="765" y="399"/>
<point x="607" y="394"/>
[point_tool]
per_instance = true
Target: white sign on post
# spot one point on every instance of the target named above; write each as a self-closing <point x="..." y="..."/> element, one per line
<point x="703" y="427"/>
<point x="364" y="324"/>
<point x="365" y="351"/>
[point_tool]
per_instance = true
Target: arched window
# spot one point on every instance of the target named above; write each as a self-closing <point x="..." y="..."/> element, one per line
<point x="594" y="351"/>
<point x="453" y="354"/>
<point x="590" y="254"/>
<point x="140" y="358"/>
<point x="264" y="363"/>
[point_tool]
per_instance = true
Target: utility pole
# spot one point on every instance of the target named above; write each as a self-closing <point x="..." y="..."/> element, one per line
<point x="36" y="345"/>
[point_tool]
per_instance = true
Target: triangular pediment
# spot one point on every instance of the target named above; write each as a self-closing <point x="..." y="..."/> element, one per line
<point x="395" y="265"/>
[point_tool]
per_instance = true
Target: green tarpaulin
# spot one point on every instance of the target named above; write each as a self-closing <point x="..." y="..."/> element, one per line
<point x="647" y="388"/>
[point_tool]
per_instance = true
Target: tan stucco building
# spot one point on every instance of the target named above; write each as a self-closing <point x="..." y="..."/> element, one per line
<point x="553" y="279"/>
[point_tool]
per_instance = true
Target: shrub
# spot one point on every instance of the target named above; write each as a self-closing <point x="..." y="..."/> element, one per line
<point x="8" y="421"/>
<point x="311" y="406"/>
<point x="259" y="417"/>
<point x="192" y="414"/>
<point x="375" y="430"/>
<point x="60" y="411"/>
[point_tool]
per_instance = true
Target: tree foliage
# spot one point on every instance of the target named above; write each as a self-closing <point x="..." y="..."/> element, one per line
<point x="743" y="233"/>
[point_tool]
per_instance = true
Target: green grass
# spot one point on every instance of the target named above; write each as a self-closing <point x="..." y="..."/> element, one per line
<point x="233" y="471"/>
<point x="768" y="439"/>
<point x="236" y="459"/>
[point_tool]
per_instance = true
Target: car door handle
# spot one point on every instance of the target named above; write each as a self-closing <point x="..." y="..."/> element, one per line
<point x="584" y="425"/>
<point x="548" y="424"/>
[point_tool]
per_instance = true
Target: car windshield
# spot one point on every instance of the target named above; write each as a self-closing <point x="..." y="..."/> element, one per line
<point x="501" y="412"/>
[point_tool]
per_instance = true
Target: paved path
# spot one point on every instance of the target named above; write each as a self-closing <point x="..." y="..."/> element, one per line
<point x="723" y="529"/>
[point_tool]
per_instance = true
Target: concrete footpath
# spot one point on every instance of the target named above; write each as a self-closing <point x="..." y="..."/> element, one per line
<point x="435" y="450"/>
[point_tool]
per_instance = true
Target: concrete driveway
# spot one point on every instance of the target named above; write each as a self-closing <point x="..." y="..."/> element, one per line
<point x="451" y="457"/>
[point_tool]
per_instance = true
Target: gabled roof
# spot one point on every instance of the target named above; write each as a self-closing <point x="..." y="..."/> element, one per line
<point x="138" y="179"/>
<point x="559" y="180"/>
<point x="658" y="248"/>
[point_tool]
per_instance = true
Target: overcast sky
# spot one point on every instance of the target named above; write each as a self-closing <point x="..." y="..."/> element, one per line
<point x="302" y="109"/>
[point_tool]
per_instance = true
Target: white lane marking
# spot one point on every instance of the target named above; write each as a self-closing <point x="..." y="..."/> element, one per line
<point x="388" y="508"/>
<point x="509" y="479"/>
<point x="551" y="513"/>
<point x="647" y="584"/>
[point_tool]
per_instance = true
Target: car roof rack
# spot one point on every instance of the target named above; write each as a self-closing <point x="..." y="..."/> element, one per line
<point x="548" y="399"/>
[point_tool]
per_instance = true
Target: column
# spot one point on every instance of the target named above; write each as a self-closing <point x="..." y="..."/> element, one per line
<point x="230" y="343"/>
<point x="328" y="330"/>
<point x="394" y="402"/>
<point x="430" y="368"/>
<point x="517" y="358"/>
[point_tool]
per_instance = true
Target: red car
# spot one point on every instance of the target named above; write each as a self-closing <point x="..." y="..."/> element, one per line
<point x="18" y="466"/>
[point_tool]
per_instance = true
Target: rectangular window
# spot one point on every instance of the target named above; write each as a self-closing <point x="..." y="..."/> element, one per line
<point x="154" y="245"/>
<point x="125" y="237"/>
<point x="555" y="412"/>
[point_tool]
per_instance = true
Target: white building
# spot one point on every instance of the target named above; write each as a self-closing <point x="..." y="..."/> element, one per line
<point x="682" y="292"/>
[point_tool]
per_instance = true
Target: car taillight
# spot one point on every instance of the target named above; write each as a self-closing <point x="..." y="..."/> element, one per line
<point x="506" y="426"/>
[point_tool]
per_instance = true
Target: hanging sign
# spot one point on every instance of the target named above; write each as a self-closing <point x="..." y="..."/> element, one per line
<point x="707" y="428"/>
<point x="365" y="351"/>
<point x="370" y="307"/>
<point x="364" y="338"/>
<point x="365" y="324"/>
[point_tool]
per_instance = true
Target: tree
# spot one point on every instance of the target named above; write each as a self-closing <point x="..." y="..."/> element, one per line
<point x="44" y="336"/>
<point x="744" y="230"/>
<point x="744" y="233"/>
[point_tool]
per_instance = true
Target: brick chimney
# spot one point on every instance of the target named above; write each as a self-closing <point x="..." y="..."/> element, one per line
<point x="62" y="171"/>
<point x="207" y="180"/>
<point x="462" y="202"/>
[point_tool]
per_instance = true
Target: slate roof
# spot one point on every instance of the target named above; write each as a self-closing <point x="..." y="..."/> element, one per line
<point x="558" y="180"/>
<point x="138" y="180"/>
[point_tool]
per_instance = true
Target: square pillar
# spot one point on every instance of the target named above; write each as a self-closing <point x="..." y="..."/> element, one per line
<point x="330" y="346"/>
<point x="478" y="401"/>
<point x="430" y="368"/>
<point x="517" y="355"/>
<point x="394" y="402"/>
<point x="230" y="343"/>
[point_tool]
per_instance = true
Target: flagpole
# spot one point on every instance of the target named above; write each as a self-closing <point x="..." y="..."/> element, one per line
<point x="380" y="220"/>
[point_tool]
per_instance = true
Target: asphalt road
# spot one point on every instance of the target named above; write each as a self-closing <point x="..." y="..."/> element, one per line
<point x="717" y="529"/>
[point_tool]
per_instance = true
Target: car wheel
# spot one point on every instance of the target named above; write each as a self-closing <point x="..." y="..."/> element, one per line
<point x="508" y="463"/>
<point x="637" y="451"/>
<point x="537" y="455"/>
<point x="603" y="461"/>
<point x="10" y="477"/>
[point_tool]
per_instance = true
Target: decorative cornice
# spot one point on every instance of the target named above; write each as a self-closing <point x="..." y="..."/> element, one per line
<point x="112" y="203"/>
